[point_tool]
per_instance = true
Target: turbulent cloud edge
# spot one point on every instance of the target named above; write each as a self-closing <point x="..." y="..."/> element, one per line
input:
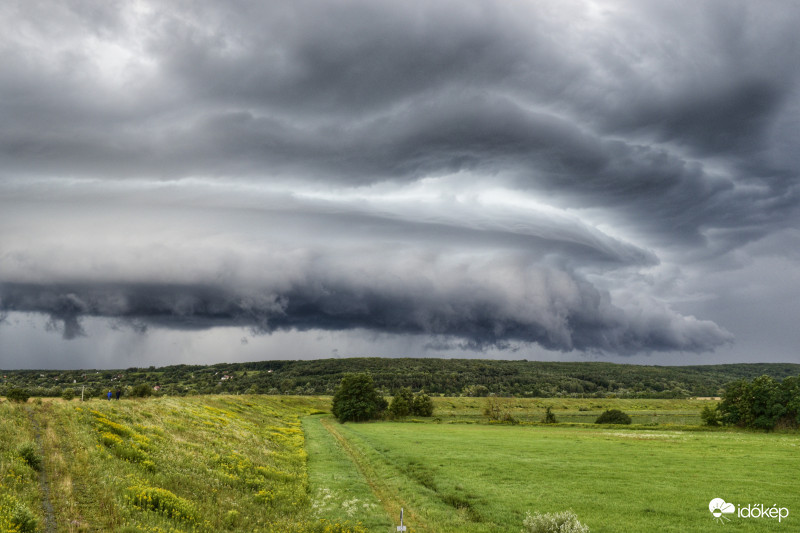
<point x="548" y="307"/>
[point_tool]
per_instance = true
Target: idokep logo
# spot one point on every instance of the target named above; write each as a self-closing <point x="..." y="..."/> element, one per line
<point x="719" y="508"/>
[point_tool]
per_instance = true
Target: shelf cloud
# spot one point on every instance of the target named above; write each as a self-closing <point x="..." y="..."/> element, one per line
<point x="577" y="177"/>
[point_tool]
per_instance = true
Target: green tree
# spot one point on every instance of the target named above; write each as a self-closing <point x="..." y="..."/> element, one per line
<point x="17" y="395"/>
<point x="356" y="399"/>
<point x="735" y="407"/>
<point x="790" y="397"/>
<point x="763" y="403"/>
<point x="549" y="417"/>
<point x="766" y="405"/>
<point x="402" y="403"/>
<point x="422" y="405"/>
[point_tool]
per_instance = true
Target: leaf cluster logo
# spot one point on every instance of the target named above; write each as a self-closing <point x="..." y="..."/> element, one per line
<point x="719" y="508"/>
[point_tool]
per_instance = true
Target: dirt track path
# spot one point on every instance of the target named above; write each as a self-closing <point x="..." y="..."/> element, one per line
<point x="44" y="482"/>
<point x="389" y="499"/>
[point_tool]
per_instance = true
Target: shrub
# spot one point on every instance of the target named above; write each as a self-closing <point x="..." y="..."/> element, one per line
<point x="401" y="403"/>
<point x="497" y="413"/>
<point x="14" y="516"/>
<point x="405" y="403"/>
<point x="549" y="417"/>
<point x="357" y="400"/>
<point x="231" y="519"/>
<point x="563" y="522"/>
<point x="23" y="520"/>
<point x="142" y="390"/>
<point x="68" y="394"/>
<point x="710" y="416"/>
<point x="162" y="501"/>
<point x="476" y="391"/>
<point x="30" y="455"/>
<point x="17" y="395"/>
<point x="613" y="416"/>
<point x="422" y="405"/>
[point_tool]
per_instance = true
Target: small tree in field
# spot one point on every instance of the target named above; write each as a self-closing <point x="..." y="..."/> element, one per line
<point x="356" y="399"/>
<point x="613" y="416"/>
<point x="401" y="403"/>
<point x="407" y="403"/>
<point x="17" y="395"/>
<point x="422" y="405"/>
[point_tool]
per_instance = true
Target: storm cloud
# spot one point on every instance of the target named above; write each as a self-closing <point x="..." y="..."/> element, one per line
<point x="567" y="175"/>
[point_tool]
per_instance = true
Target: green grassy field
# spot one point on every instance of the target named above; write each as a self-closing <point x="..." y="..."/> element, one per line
<point x="573" y="410"/>
<point x="276" y="463"/>
<point x="477" y="478"/>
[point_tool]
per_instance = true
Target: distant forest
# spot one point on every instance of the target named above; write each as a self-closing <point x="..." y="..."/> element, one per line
<point x="448" y="377"/>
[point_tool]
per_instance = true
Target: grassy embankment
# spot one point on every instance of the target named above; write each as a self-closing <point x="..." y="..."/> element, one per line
<point x="20" y="461"/>
<point x="165" y="465"/>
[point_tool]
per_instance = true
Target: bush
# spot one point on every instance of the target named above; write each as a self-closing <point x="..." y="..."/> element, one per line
<point x="142" y="390"/>
<point x="422" y="405"/>
<point x="497" y="412"/>
<point x="17" y="395"/>
<point x="401" y="403"/>
<point x="15" y="516"/>
<point x="549" y="417"/>
<point x="231" y="519"/>
<point x="23" y="520"/>
<point x="563" y="522"/>
<point x="710" y="416"/>
<point x="162" y="501"/>
<point x="30" y="455"/>
<point x="613" y="416"/>
<point x="405" y="403"/>
<point x="357" y="400"/>
<point x="68" y="394"/>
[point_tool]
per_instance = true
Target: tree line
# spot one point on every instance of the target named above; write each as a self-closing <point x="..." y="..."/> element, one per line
<point x="449" y="377"/>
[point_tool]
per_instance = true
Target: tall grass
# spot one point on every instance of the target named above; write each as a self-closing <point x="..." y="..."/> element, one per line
<point x="189" y="464"/>
<point x="20" y="497"/>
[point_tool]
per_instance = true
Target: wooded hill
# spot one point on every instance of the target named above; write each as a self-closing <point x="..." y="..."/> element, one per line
<point x="450" y="377"/>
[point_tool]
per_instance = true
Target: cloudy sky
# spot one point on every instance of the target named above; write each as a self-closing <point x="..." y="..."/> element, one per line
<point x="244" y="180"/>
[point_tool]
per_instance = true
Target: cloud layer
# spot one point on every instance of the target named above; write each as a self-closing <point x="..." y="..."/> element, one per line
<point x="551" y="173"/>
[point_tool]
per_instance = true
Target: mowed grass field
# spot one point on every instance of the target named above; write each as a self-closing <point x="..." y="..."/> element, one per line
<point x="272" y="463"/>
<point x="478" y="478"/>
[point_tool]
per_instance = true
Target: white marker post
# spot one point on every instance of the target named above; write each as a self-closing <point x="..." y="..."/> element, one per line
<point x="401" y="527"/>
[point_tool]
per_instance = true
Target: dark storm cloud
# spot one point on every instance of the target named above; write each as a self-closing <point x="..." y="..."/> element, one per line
<point x="520" y="302"/>
<point x="625" y="136"/>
